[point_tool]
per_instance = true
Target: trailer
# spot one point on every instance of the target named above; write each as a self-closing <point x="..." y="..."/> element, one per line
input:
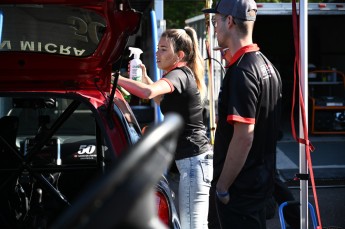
<point x="273" y="32"/>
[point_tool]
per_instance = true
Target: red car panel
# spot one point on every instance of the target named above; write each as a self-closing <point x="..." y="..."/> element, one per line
<point x="63" y="45"/>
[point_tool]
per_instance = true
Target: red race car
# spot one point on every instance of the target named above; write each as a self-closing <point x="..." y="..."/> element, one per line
<point x="72" y="152"/>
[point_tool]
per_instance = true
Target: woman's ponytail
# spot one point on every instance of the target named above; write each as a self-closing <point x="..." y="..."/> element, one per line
<point x="196" y="62"/>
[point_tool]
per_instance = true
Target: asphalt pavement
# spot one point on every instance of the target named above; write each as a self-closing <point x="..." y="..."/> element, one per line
<point x="331" y="201"/>
<point x="328" y="163"/>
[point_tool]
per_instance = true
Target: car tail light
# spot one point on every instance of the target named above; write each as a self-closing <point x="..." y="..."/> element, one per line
<point x="162" y="207"/>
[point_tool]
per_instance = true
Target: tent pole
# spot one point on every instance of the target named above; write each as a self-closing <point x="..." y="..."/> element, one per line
<point x="210" y="72"/>
<point x="158" y="27"/>
<point x="303" y="166"/>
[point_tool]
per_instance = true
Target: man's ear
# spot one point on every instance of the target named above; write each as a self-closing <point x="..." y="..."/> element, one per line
<point x="230" y="21"/>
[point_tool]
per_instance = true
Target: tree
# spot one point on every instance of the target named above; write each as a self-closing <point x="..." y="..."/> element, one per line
<point x="177" y="11"/>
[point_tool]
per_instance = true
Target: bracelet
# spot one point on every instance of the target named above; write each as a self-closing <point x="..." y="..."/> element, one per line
<point x="222" y="194"/>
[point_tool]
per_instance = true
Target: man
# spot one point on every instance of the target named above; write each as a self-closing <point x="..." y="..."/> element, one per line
<point x="248" y="120"/>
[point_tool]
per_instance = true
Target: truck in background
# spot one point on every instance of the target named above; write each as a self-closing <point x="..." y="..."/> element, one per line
<point x="273" y="32"/>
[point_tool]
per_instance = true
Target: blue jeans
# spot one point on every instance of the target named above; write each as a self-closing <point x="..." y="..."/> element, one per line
<point x="194" y="186"/>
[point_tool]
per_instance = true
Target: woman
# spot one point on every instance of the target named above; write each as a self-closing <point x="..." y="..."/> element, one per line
<point x="182" y="90"/>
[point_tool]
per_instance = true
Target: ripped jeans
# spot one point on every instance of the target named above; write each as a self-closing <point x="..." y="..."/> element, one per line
<point x="195" y="181"/>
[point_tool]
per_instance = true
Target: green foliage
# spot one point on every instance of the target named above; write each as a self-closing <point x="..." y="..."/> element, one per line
<point x="177" y="11"/>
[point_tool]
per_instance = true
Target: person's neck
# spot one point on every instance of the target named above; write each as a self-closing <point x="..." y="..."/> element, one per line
<point x="177" y="65"/>
<point x="239" y="43"/>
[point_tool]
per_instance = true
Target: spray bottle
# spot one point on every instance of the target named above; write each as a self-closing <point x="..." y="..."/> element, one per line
<point x="135" y="72"/>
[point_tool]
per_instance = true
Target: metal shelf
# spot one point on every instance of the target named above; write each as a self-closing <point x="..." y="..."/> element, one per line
<point x="324" y="108"/>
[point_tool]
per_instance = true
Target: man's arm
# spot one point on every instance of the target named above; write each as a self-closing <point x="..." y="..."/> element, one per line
<point x="238" y="150"/>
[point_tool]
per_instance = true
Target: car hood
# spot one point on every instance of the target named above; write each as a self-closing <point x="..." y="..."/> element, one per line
<point x="62" y="44"/>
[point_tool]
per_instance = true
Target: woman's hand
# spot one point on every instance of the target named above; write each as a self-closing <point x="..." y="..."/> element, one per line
<point x="145" y="78"/>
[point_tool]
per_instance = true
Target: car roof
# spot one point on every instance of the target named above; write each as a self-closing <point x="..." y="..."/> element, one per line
<point x="62" y="44"/>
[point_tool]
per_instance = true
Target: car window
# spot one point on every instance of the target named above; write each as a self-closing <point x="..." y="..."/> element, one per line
<point x="133" y="126"/>
<point x="69" y="124"/>
<point x="50" y="29"/>
<point x="36" y="113"/>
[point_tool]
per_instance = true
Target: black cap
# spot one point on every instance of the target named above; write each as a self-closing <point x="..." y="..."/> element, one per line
<point x="241" y="9"/>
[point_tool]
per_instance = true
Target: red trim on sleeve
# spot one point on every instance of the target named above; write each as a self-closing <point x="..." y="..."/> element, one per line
<point x="243" y="50"/>
<point x="170" y="84"/>
<point x="235" y="118"/>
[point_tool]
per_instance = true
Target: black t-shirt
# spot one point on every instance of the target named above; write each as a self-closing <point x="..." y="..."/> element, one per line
<point x="250" y="93"/>
<point x="186" y="101"/>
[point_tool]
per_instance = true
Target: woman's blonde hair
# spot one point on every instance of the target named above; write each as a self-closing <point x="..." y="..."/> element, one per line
<point x="186" y="40"/>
